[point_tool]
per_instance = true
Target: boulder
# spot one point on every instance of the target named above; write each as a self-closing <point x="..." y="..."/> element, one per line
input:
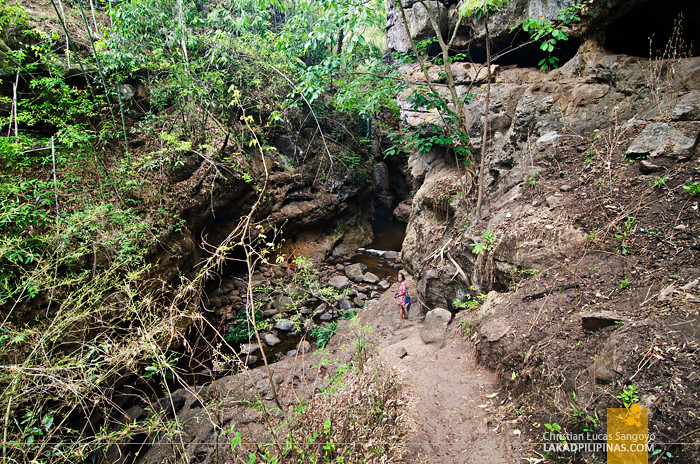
<point x="271" y="339"/>
<point x="390" y="254"/>
<point x="285" y="325"/>
<point x="345" y="304"/>
<point x="339" y="282"/>
<point x="384" y="285"/>
<point x="249" y="348"/>
<point x="355" y="271"/>
<point x="435" y="325"/>
<point x="687" y="108"/>
<point x="402" y="212"/>
<point x="494" y="329"/>
<point x="326" y="317"/>
<point x="665" y="139"/>
<point x="370" y="278"/>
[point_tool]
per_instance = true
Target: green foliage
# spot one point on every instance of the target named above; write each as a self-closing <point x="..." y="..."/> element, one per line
<point x="629" y="395"/>
<point x="323" y="333"/>
<point x="241" y="328"/>
<point x="624" y="283"/>
<point x="486" y="244"/>
<point x="625" y="235"/>
<point x="659" y="182"/>
<point x="692" y="188"/>
<point x="465" y="327"/>
<point x="549" y="32"/>
<point x="469" y="301"/>
<point x="532" y="181"/>
<point x="480" y="7"/>
<point x="427" y="135"/>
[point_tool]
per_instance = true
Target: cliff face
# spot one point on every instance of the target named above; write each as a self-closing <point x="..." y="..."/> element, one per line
<point x="531" y="114"/>
<point x="585" y="254"/>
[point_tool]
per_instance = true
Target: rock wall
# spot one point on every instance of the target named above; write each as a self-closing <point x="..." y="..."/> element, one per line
<point x="531" y="112"/>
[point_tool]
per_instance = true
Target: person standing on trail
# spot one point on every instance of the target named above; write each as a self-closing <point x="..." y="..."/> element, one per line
<point x="401" y="295"/>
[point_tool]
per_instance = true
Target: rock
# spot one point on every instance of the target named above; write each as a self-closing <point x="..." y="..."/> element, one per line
<point x="384" y="285"/>
<point x="257" y="280"/>
<point x="285" y="325"/>
<point x="597" y="320"/>
<point x="304" y="346"/>
<point x="375" y="295"/>
<point x="465" y="73"/>
<point x="326" y="317"/>
<point x="359" y="302"/>
<point x="339" y="282"/>
<point x="435" y="325"/>
<point x="566" y="188"/>
<point x="494" y="329"/>
<point x="690" y="285"/>
<point x="271" y="339"/>
<point x="613" y="356"/>
<point x="270" y="312"/>
<point x="282" y="303"/>
<point x="249" y="348"/>
<point x="492" y="300"/>
<point x="251" y="359"/>
<point x="402" y="212"/>
<point x="415" y="312"/>
<point x="418" y="24"/>
<point x="390" y="254"/>
<point x="370" y="278"/>
<point x="345" y="304"/>
<point x="667" y="293"/>
<point x="322" y="308"/>
<point x="647" y="167"/>
<point x="401" y="352"/>
<point x="661" y="138"/>
<point x="687" y="108"/>
<point x="554" y="201"/>
<point x="355" y="271"/>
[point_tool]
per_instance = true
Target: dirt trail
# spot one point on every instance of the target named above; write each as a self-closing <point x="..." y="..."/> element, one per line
<point x="447" y="391"/>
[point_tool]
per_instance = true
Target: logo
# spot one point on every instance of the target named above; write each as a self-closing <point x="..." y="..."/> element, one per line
<point x="628" y="435"/>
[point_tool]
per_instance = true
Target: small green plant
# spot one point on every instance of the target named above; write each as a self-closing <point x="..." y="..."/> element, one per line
<point x="469" y="302"/>
<point x="625" y="236"/>
<point x="523" y="273"/>
<point x="487" y="244"/>
<point x="555" y="429"/>
<point x="692" y="189"/>
<point x="532" y="180"/>
<point x="624" y="283"/>
<point x="629" y="395"/>
<point x="465" y="326"/>
<point x="323" y="333"/>
<point x="659" y="182"/>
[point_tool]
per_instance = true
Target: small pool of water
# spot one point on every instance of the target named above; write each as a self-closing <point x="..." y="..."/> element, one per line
<point x="388" y="236"/>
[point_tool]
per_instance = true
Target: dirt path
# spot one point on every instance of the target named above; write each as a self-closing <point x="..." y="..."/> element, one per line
<point x="451" y="398"/>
